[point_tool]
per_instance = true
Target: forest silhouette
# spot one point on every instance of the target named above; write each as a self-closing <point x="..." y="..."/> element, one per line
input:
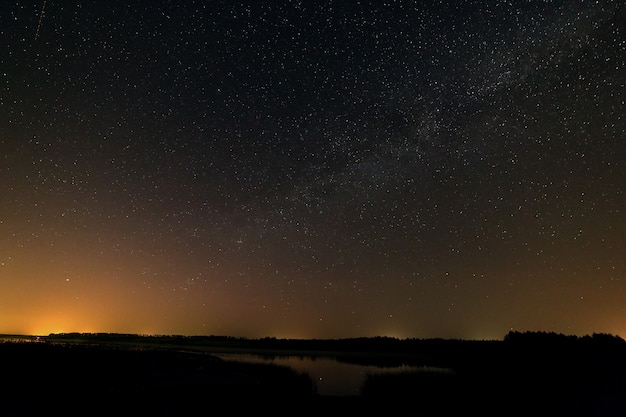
<point x="525" y="373"/>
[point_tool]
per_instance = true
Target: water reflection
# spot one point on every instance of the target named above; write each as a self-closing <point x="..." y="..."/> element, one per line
<point x="331" y="377"/>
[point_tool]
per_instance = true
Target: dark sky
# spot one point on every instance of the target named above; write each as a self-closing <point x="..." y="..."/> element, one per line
<point x="313" y="169"/>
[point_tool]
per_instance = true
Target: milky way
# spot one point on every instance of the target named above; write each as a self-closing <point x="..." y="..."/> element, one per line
<point x="313" y="168"/>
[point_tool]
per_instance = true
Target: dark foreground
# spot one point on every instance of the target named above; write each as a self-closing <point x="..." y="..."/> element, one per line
<point x="525" y="374"/>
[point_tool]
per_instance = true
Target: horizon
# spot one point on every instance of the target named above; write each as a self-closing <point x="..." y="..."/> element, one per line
<point x="113" y="334"/>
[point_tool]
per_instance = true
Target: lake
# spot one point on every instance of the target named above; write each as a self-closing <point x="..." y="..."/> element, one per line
<point x="331" y="376"/>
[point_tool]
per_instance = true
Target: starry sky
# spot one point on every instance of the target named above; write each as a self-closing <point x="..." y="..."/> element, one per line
<point x="313" y="169"/>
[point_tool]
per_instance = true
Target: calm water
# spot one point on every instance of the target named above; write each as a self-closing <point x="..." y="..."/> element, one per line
<point x="331" y="376"/>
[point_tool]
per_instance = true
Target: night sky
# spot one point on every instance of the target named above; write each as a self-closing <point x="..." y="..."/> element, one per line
<point x="313" y="169"/>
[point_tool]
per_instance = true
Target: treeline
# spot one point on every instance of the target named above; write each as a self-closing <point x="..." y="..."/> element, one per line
<point x="557" y="340"/>
<point x="515" y="347"/>
<point x="531" y="340"/>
